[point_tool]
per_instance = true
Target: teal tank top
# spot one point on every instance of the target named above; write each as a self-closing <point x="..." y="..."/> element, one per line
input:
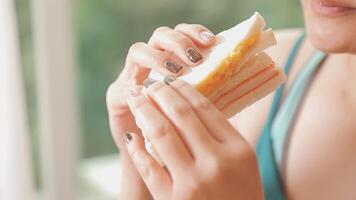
<point x="274" y="135"/>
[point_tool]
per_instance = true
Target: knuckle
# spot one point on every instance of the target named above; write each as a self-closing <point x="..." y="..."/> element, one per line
<point x="150" y="172"/>
<point x="109" y="92"/>
<point x="199" y="27"/>
<point x="182" y="85"/>
<point x="160" y="57"/>
<point x="116" y="105"/>
<point x="114" y="101"/>
<point x="190" y="27"/>
<point x="147" y="169"/>
<point x="180" y="109"/>
<point x="180" y="26"/>
<point x="135" y="47"/>
<point x="201" y="103"/>
<point x="214" y="163"/>
<point x="166" y="54"/>
<point x="161" y="29"/>
<point x="156" y="87"/>
<point x="158" y="131"/>
<point x="216" y="167"/>
<point x="179" y="39"/>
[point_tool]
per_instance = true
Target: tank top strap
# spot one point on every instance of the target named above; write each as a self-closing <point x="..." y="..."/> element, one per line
<point x="287" y="67"/>
<point x="271" y="181"/>
<point x="283" y="121"/>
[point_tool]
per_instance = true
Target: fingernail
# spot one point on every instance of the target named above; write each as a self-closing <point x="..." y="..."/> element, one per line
<point x="134" y="92"/>
<point x="169" y="79"/>
<point x="173" y="67"/>
<point x="148" y="82"/>
<point x="128" y="138"/>
<point x="206" y="36"/>
<point x="193" y="55"/>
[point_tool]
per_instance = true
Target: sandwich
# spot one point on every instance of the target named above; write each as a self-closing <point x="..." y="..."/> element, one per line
<point x="235" y="72"/>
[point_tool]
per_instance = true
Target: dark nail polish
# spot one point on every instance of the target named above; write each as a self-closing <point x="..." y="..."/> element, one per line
<point x="173" y="67"/>
<point x="193" y="55"/>
<point x="128" y="138"/>
<point x="148" y="82"/>
<point x="169" y="79"/>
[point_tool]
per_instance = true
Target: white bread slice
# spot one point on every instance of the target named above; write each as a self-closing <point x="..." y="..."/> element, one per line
<point x="226" y="43"/>
<point x="255" y="95"/>
<point x="258" y="77"/>
<point x="218" y="59"/>
<point x="266" y="40"/>
<point x="255" y="64"/>
<point x="238" y="64"/>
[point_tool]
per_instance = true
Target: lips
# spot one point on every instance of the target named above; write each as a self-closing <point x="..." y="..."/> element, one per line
<point x="332" y="8"/>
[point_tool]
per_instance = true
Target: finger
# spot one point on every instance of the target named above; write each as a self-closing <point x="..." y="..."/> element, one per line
<point x="165" y="38"/>
<point x="197" y="33"/>
<point x="160" y="132"/>
<point x="154" y="176"/>
<point x="146" y="56"/>
<point x="213" y="119"/>
<point x="182" y="116"/>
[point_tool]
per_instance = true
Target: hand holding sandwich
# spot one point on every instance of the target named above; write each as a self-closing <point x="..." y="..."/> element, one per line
<point x="167" y="52"/>
<point x="233" y="72"/>
<point x="205" y="157"/>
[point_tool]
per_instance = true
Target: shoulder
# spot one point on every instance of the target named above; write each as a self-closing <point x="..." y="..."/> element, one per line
<point x="251" y="120"/>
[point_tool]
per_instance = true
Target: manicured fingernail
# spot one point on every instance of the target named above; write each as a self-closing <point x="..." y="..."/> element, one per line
<point x="148" y="82"/>
<point x="207" y="36"/>
<point x="128" y="138"/>
<point x="169" y="79"/>
<point x="134" y="92"/>
<point x="173" y="67"/>
<point x="193" y="55"/>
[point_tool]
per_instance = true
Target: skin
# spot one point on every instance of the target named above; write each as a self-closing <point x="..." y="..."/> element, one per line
<point x="320" y="161"/>
<point x="203" y="165"/>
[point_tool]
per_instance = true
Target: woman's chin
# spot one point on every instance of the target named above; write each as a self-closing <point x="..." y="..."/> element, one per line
<point x="326" y="46"/>
<point x="332" y="40"/>
<point x="329" y="29"/>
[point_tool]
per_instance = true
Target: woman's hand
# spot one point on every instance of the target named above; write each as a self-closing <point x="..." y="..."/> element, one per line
<point x="168" y="51"/>
<point x="205" y="157"/>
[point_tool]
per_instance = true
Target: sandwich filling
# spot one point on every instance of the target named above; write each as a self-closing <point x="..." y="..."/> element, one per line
<point x="246" y="87"/>
<point x="227" y="67"/>
<point x="235" y="72"/>
<point x="250" y="91"/>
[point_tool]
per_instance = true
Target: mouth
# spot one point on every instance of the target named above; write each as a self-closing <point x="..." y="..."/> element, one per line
<point x="332" y="8"/>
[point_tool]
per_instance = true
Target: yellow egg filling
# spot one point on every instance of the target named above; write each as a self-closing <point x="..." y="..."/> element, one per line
<point x="227" y="67"/>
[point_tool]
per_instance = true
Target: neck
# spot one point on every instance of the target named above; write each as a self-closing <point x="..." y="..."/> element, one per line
<point x="347" y="59"/>
<point x="351" y="59"/>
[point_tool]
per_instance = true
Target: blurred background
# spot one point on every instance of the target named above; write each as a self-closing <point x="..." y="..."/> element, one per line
<point x="100" y="34"/>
